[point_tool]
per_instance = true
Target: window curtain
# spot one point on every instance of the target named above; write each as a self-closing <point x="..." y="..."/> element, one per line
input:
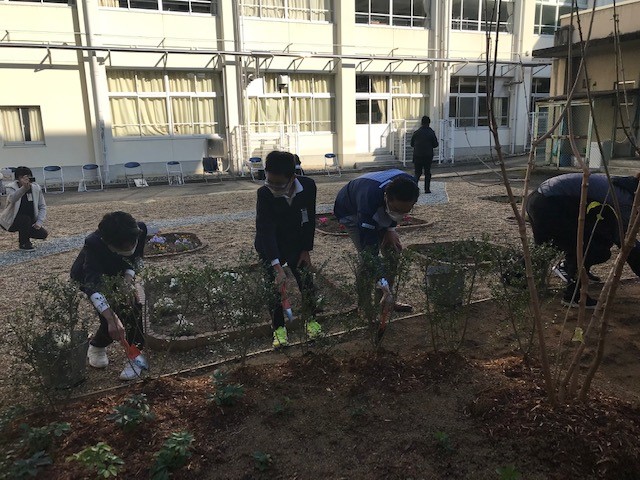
<point x="182" y="115"/>
<point x="273" y="8"/>
<point x="181" y="82"/>
<point x="300" y="83"/>
<point x="121" y="81"/>
<point x="379" y="84"/>
<point x="251" y="8"/>
<point x="110" y="3"/>
<point x="320" y="10"/>
<point x="323" y="114"/>
<point x="302" y="114"/>
<point x="322" y="84"/>
<point x="124" y="113"/>
<point x="204" y="115"/>
<point x="149" y="81"/>
<point x="35" y="122"/>
<point x="299" y="9"/>
<point x="153" y="117"/>
<point x="11" y="130"/>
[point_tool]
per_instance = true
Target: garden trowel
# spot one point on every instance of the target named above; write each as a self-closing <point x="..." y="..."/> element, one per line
<point x="131" y="350"/>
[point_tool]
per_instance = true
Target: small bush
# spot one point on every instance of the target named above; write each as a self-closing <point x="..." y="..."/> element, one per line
<point x="226" y="394"/>
<point x="28" y="468"/>
<point x="134" y="411"/>
<point x="263" y="460"/>
<point x="100" y="459"/>
<point x="173" y="455"/>
<point x="36" y="439"/>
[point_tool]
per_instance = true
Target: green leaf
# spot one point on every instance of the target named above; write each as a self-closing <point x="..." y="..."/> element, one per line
<point x="578" y="335"/>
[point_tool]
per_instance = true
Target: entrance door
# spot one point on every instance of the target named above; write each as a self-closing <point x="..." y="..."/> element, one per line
<point x="371" y="124"/>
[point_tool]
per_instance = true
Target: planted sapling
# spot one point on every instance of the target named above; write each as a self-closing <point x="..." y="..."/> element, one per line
<point x="100" y="459"/>
<point x="132" y="412"/>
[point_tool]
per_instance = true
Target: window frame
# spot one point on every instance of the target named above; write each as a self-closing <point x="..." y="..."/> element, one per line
<point x="159" y="6"/>
<point x="262" y="127"/>
<point x="479" y="95"/>
<point x="415" y="21"/>
<point x="313" y="14"/>
<point x="540" y="28"/>
<point x="23" y="113"/>
<point x="167" y="95"/>
<point x="480" y="24"/>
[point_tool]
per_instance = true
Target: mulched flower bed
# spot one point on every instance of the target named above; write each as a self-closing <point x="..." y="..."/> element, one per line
<point x="172" y="243"/>
<point x="328" y="224"/>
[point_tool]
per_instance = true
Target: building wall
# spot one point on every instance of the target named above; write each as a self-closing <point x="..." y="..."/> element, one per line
<point x="73" y="115"/>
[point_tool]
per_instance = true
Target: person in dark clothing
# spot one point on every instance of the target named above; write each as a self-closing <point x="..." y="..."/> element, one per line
<point x="370" y="207"/>
<point x="26" y="209"/>
<point x="115" y="249"/>
<point x="553" y="211"/>
<point x="285" y="230"/>
<point x="423" y="141"/>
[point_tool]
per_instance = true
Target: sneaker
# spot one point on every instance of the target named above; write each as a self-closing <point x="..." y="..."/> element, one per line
<point x="133" y="368"/>
<point x="313" y="330"/>
<point x="280" y="337"/>
<point x="571" y="301"/>
<point x="561" y="271"/>
<point x="97" y="357"/>
<point x="402" y="307"/>
<point x="27" y="247"/>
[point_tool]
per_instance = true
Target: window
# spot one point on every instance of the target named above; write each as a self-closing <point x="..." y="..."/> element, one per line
<point x="155" y="103"/>
<point x="547" y="19"/>
<point x="42" y="1"/>
<point x="21" y="126"/>
<point x="481" y="15"/>
<point x="315" y="10"/>
<point x="308" y="102"/>
<point x="208" y="7"/>
<point x="468" y="102"/>
<point x="406" y="95"/>
<point x="400" y="13"/>
<point x="540" y="88"/>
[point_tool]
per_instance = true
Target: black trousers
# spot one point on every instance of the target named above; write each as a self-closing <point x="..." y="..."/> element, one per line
<point x="23" y="224"/>
<point x="421" y="164"/>
<point x="131" y="317"/>
<point x="304" y="279"/>
<point x="554" y="220"/>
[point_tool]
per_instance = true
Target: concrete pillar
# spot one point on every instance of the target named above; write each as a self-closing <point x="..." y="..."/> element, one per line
<point x="345" y="104"/>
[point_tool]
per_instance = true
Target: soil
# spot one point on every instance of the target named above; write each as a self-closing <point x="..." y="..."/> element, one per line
<point x="329" y="224"/>
<point x="171" y="243"/>
<point x="346" y="411"/>
<point x="502" y="198"/>
<point x="401" y="412"/>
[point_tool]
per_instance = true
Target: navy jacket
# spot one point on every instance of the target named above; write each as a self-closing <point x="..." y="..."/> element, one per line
<point x="283" y="230"/>
<point x="95" y="260"/>
<point x="361" y="203"/>
<point x="423" y="141"/>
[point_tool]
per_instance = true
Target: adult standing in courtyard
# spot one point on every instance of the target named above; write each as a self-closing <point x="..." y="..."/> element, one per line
<point x="285" y="231"/>
<point x="26" y="209"/>
<point x="114" y="250"/>
<point x="423" y="141"/>
<point x="370" y="207"/>
<point x="553" y="211"/>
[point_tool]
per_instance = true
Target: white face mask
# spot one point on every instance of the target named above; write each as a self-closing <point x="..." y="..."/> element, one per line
<point x="395" y="216"/>
<point x="125" y="253"/>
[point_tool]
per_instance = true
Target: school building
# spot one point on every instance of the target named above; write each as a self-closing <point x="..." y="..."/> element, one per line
<point x="109" y="82"/>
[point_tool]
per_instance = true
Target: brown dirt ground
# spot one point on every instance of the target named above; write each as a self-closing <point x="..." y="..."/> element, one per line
<point x="354" y="414"/>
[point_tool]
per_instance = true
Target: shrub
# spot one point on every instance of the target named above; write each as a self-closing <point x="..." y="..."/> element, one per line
<point x="100" y="459"/>
<point x="263" y="460"/>
<point x="226" y="394"/>
<point x="173" y="455"/>
<point x="132" y="412"/>
<point x="36" y="439"/>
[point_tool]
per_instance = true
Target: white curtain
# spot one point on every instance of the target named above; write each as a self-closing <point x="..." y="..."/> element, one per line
<point x="150" y="81"/>
<point x="379" y="84"/>
<point x="299" y="9"/>
<point x="110" y="3"/>
<point x="182" y="115"/>
<point x="181" y="82"/>
<point x="124" y="113"/>
<point x="121" y="81"/>
<point x="320" y="10"/>
<point x="302" y="114"/>
<point x="251" y="8"/>
<point x="204" y="115"/>
<point x="11" y="130"/>
<point x="323" y="114"/>
<point x="273" y="8"/>
<point x="35" y="124"/>
<point x="300" y="83"/>
<point x="153" y="117"/>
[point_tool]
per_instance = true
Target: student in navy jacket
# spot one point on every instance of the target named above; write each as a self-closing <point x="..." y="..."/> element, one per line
<point x="423" y="141"/>
<point x="553" y="211"/>
<point x="115" y="249"/>
<point x="285" y="230"/>
<point x="370" y="207"/>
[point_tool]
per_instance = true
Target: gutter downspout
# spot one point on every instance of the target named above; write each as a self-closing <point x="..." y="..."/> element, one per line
<point x="100" y="148"/>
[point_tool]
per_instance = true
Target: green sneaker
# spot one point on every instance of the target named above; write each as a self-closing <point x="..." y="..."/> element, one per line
<point x="313" y="329"/>
<point x="280" y="337"/>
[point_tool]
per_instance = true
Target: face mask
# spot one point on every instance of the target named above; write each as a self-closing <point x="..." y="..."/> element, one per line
<point x="125" y="253"/>
<point x="278" y="190"/>
<point x="395" y="216"/>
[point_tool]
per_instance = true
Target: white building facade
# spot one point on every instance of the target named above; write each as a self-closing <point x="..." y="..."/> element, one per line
<point x="152" y="81"/>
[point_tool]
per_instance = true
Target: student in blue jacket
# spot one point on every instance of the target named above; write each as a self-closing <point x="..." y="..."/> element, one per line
<point x="370" y="207"/>
<point x="285" y="231"/>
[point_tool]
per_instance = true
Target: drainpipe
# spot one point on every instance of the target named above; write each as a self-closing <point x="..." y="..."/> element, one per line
<point x="99" y="145"/>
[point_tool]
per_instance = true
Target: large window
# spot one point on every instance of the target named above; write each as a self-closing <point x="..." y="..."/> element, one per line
<point x="307" y="101"/>
<point x="540" y="88"/>
<point x="314" y="10"/>
<point x="41" y="1"/>
<point x="468" y="102"/>
<point x="406" y="95"/>
<point x="481" y="15"/>
<point x="401" y="13"/>
<point x="547" y="19"/>
<point x="186" y="6"/>
<point x="155" y="103"/>
<point x="21" y="126"/>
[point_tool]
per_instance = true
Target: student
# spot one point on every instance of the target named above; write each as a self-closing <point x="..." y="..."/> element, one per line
<point x="370" y="207"/>
<point x="423" y="141"/>
<point x="285" y="230"/>
<point x="26" y="209"/>
<point x="299" y="169"/>
<point x="115" y="249"/>
<point x="553" y="211"/>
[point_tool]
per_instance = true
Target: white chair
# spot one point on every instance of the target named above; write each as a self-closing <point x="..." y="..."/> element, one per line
<point x="91" y="175"/>
<point x="133" y="171"/>
<point x="174" y="173"/>
<point x="255" y="165"/>
<point x="53" y="176"/>
<point x="331" y="163"/>
<point x="211" y="167"/>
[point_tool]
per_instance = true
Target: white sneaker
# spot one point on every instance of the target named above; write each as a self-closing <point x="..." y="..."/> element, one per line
<point x="133" y="368"/>
<point x="97" y="357"/>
